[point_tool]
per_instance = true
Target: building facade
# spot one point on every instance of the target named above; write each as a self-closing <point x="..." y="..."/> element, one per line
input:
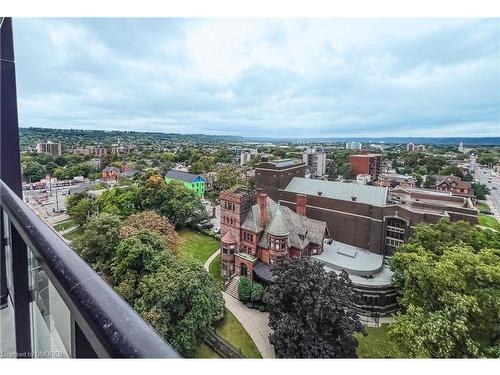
<point x="396" y="180"/>
<point x="274" y="175"/>
<point x="455" y="185"/>
<point x="413" y="147"/>
<point x="353" y="146"/>
<point x="190" y="181"/>
<point x="49" y="147"/>
<point x="110" y="173"/>
<point x="257" y="232"/>
<point x="371" y="164"/>
<point x="315" y="162"/>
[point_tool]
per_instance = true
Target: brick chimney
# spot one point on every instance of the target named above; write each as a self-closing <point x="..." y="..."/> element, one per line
<point x="262" y="201"/>
<point x="301" y="204"/>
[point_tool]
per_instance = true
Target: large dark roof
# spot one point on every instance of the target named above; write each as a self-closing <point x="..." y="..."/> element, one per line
<point x="182" y="176"/>
<point x="301" y="230"/>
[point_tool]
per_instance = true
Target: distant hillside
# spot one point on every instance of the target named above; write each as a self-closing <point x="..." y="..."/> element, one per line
<point x="77" y="137"/>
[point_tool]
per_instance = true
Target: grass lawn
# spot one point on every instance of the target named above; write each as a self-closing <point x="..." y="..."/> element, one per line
<point x="215" y="269"/>
<point x="483" y="207"/>
<point x="205" y="351"/>
<point x="196" y="245"/>
<point x="489" y="221"/>
<point x="63" y="225"/>
<point x="233" y="332"/>
<point x="377" y="344"/>
<point x="71" y="236"/>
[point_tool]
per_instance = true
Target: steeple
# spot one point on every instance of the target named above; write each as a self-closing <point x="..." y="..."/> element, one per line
<point x="277" y="227"/>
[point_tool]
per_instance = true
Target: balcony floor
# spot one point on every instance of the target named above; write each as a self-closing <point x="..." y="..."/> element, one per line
<point x="7" y="337"/>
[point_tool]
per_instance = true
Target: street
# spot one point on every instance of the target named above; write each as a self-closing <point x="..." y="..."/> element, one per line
<point x="484" y="176"/>
<point x="45" y="204"/>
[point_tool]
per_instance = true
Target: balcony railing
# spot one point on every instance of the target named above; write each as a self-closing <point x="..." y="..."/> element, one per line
<point x="61" y="306"/>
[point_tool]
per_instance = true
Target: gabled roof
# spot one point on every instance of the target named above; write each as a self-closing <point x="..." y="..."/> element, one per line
<point x="110" y="168"/>
<point x="448" y="180"/>
<point x="301" y="230"/>
<point x="183" y="176"/>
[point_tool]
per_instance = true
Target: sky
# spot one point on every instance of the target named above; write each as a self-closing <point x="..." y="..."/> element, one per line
<point x="261" y="77"/>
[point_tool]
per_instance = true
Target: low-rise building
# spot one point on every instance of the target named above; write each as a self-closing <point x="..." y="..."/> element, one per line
<point x="110" y="173"/>
<point x="191" y="181"/>
<point x="396" y="180"/>
<point x="363" y="179"/>
<point x="455" y="185"/>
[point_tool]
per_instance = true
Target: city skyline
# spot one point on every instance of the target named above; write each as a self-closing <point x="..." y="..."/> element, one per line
<point x="277" y="78"/>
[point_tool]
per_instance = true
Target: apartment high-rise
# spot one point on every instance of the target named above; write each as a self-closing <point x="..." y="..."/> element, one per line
<point x="315" y="162"/>
<point x="353" y="146"/>
<point x="366" y="164"/>
<point x="49" y="147"/>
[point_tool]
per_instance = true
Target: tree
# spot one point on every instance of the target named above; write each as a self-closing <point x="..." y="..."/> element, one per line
<point x="430" y="182"/>
<point x="229" y="177"/>
<point x="480" y="190"/>
<point x="244" y="289"/>
<point x="80" y="209"/>
<point x="311" y="312"/>
<point x="137" y="256"/>
<point x="155" y="223"/>
<point x="203" y="165"/>
<point x="257" y="292"/>
<point x="99" y="240"/>
<point x="181" y="300"/>
<point x="117" y="201"/>
<point x="448" y="278"/>
<point x="34" y="171"/>
<point x="180" y="205"/>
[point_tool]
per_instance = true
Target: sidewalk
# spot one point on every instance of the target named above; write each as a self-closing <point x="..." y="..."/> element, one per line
<point x="254" y="321"/>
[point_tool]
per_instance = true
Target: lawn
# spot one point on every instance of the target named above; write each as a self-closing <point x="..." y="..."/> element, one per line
<point x="489" y="221"/>
<point x="196" y="245"/>
<point x="215" y="269"/>
<point x="231" y="330"/>
<point x="205" y="351"/>
<point x="63" y="225"/>
<point x="483" y="207"/>
<point x="377" y="344"/>
<point x="71" y="236"/>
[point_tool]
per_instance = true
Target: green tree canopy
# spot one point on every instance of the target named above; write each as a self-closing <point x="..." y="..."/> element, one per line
<point x="99" y="240"/>
<point x="448" y="277"/>
<point x="181" y="300"/>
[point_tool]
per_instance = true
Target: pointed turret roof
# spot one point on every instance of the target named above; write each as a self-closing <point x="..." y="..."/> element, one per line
<point x="277" y="227"/>
<point x="228" y="238"/>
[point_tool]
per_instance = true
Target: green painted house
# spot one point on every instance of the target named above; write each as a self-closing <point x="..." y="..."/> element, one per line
<point x="191" y="181"/>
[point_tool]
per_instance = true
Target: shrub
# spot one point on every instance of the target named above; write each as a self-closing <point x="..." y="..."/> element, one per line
<point x="257" y="292"/>
<point x="244" y="289"/>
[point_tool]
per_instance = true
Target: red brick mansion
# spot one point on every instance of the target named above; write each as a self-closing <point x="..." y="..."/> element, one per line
<point x="257" y="232"/>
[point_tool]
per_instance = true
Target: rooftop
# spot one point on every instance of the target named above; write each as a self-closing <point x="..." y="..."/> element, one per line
<point x="182" y="176"/>
<point x="367" y="194"/>
<point x="363" y="266"/>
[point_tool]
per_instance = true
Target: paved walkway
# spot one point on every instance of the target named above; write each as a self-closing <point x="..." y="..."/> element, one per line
<point x="209" y="260"/>
<point x="254" y="321"/>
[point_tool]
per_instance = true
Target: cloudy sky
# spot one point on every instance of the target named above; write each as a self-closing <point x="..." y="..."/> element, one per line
<point x="303" y="78"/>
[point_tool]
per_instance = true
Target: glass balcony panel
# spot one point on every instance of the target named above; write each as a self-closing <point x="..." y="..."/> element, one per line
<point x="50" y="317"/>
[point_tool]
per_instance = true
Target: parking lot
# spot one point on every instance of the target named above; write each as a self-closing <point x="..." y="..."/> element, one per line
<point x="46" y="203"/>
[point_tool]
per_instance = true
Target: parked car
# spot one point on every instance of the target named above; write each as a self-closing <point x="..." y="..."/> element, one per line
<point x="486" y="212"/>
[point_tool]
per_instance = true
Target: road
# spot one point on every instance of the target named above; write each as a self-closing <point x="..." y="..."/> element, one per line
<point x="484" y="175"/>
